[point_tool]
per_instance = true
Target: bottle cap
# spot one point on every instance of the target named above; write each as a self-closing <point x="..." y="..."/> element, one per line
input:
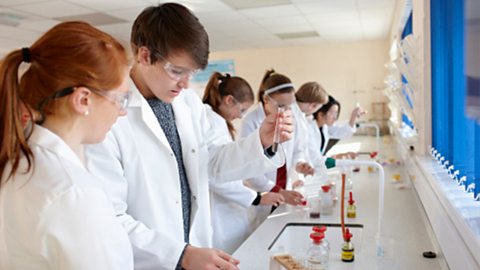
<point x="317" y="237"/>
<point x="373" y="154"/>
<point x="347" y="236"/>
<point x="351" y="200"/>
<point x="326" y="188"/>
<point x="320" y="229"/>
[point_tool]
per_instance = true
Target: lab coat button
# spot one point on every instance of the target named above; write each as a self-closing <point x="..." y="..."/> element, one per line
<point x="193" y="151"/>
<point x="194" y="197"/>
<point x="171" y="154"/>
<point x="176" y="202"/>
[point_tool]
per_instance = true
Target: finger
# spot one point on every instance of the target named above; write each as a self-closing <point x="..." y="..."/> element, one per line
<point x="225" y="256"/>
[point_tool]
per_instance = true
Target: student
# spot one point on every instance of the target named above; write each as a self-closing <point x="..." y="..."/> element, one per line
<point x="326" y="118"/>
<point x="53" y="213"/>
<point x="310" y="97"/>
<point x="276" y="90"/>
<point x="157" y="161"/>
<point x="227" y="98"/>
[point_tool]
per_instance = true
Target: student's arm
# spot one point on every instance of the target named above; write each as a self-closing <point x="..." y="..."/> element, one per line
<point x="241" y="159"/>
<point x="234" y="191"/>
<point x="341" y="131"/>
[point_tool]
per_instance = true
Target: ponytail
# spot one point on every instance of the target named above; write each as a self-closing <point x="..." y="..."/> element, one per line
<point x="262" y="88"/>
<point x="13" y="139"/>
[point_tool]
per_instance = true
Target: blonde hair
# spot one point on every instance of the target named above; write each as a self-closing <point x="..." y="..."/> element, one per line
<point x="311" y="92"/>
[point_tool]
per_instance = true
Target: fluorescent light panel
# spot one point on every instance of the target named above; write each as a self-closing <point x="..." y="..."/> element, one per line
<point x="10" y="19"/>
<point x="247" y="4"/>
<point x="95" y="19"/>
<point x="298" y="35"/>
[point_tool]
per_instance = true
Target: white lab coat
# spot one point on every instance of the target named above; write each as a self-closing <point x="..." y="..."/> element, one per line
<point x="310" y="134"/>
<point x="58" y="216"/>
<point x="315" y="139"/>
<point x="141" y="175"/>
<point x="294" y="151"/>
<point x="335" y="131"/>
<point x="230" y="202"/>
<point x="341" y="131"/>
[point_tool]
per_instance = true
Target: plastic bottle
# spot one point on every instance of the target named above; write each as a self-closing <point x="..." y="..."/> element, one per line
<point x="326" y="207"/>
<point x="333" y="191"/>
<point x="351" y="208"/>
<point x="317" y="254"/>
<point x="322" y="229"/>
<point x="314" y="204"/>
<point x="348" y="250"/>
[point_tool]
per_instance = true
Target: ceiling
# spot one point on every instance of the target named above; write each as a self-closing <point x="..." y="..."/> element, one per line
<point x="231" y="24"/>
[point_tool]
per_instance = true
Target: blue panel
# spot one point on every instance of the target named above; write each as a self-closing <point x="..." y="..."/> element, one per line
<point x="463" y="133"/>
<point x="408" y="29"/>
<point x="223" y="66"/>
<point x="440" y="35"/>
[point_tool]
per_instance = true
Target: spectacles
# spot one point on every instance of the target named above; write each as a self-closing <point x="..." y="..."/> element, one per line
<point x="176" y="73"/>
<point x="277" y="105"/>
<point x="121" y="99"/>
<point x="240" y="107"/>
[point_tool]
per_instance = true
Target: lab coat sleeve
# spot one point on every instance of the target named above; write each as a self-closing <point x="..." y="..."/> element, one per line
<point x="258" y="182"/>
<point x="151" y="249"/>
<point x="86" y="236"/>
<point x="248" y="156"/>
<point x="235" y="160"/>
<point x="300" y="153"/>
<point x="236" y="192"/>
<point x="341" y="131"/>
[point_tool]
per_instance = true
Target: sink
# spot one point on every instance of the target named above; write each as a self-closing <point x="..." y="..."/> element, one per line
<point x="294" y="239"/>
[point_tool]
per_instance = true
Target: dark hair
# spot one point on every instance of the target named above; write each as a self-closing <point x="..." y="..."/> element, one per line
<point x="220" y="86"/>
<point x="326" y="107"/>
<point x="68" y="55"/>
<point x="272" y="79"/>
<point x="311" y="92"/>
<point x="170" y="28"/>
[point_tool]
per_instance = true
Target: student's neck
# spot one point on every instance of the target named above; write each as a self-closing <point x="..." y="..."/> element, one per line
<point x="139" y="82"/>
<point x="320" y="123"/>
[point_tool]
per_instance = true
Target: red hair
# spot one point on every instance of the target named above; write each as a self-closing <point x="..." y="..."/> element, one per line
<point x="68" y="55"/>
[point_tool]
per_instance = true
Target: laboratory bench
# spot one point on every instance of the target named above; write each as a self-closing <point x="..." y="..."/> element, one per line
<point x="406" y="235"/>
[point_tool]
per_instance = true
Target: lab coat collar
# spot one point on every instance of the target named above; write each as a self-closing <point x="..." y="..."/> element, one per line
<point x="45" y="138"/>
<point x="139" y="102"/>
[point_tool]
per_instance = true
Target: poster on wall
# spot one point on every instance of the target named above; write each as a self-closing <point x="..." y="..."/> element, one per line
<point x="200" y="80"/>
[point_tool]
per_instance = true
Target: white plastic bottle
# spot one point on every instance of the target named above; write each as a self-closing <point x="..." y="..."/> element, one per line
<point x="326" y="201"/>
<point x="317" y="254"/>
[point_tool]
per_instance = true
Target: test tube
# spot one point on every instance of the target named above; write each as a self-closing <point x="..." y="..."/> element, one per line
<point x="276" y="135"/>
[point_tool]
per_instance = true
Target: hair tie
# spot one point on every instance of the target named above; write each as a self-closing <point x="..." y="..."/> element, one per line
<point x="26" y="57"/>
<point x="223" y="82"/>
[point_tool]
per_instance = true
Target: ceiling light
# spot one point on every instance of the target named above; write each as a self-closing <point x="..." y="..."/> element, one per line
<point x="10" y="19"/>
<point x="246" y="4"/>
<point x="306" y="34"/>
<point x="95" y="19"/>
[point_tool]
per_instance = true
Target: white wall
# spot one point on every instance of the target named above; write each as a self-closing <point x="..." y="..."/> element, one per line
<point x="350" y="71"/>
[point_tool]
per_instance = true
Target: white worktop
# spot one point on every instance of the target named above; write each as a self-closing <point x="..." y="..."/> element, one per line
<point x="407" y="233"/>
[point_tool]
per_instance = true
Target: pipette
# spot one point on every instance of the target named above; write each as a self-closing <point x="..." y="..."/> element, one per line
<point x="276" y="135"/>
